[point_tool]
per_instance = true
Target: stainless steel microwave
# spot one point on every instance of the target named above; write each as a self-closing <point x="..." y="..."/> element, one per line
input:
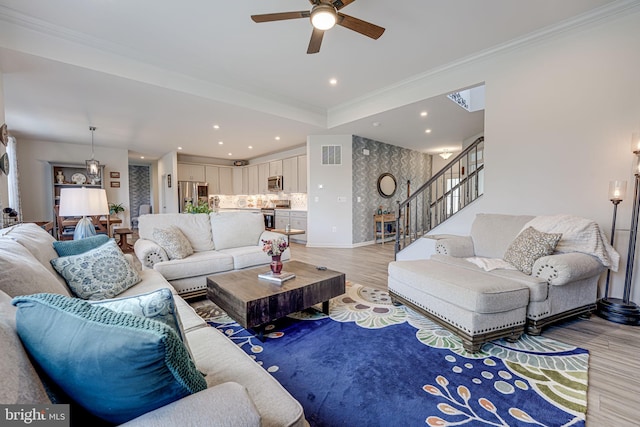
<point x="275" y="183"/>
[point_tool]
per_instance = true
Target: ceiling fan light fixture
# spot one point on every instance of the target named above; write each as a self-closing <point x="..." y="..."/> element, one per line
<point x="323" y="16"/>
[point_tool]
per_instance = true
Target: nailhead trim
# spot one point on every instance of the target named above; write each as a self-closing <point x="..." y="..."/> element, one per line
<point x="462" y="327"/>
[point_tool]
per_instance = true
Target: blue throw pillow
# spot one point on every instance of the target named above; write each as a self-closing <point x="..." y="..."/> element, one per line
<point x="75" y="247"/>
<point x="100" y="273"/>
<point x="157" y="305"/>
<point x="118" y="366"/>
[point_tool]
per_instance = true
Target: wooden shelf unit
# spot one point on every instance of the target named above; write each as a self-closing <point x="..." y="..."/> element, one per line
<point x="380" y="232"/>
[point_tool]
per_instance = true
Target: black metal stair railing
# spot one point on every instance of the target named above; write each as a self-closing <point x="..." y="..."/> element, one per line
<point x="459" y="183"/>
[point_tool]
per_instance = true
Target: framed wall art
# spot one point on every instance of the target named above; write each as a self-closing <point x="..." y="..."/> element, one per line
<point x="114" y="174"/>
<point x="115" y="184"/>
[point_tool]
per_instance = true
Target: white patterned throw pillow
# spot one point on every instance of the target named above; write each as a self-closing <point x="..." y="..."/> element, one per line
<point x="100" y="273"/>
<point x="530" y="245"/>
<point x="173" y="241"/>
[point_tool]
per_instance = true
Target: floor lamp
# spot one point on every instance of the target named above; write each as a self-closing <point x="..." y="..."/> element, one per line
<point x="83" y="202"/>
<point x="624" y="310"/>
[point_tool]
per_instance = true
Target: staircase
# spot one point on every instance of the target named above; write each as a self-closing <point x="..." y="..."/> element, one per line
<point x="458" y="184"/>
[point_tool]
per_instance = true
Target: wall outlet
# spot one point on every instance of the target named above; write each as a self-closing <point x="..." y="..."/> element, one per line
<point x="316" y="199"/>
<point x="334" y="229"/>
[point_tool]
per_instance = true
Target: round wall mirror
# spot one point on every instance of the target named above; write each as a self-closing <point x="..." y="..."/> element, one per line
<point x="387" y="185"/>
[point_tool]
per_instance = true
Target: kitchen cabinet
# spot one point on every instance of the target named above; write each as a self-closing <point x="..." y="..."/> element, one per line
<point x="191" y="172"/>
<point x="226" y="180"/>
<point x="245" y="180"/>
<point x="290" y="175"/>
<point x="275" y="168"/>
<point x="263" y="175"/>
<point x="282" y="218"/>
<point x="212" y="178"/>
<point x="238" y="182"/>
<point x="298" y="221"/>
<point x="253" y="180"/>
<point x="302" y="174"/>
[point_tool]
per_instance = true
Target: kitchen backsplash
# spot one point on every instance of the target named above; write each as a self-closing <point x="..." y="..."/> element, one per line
<point x="298" y="200"/>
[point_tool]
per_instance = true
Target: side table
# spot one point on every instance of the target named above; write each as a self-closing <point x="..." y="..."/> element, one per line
<point x="122" y="241"/>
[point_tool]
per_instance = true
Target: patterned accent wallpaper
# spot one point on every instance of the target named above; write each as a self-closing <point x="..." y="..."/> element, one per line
<point x="404" y="164"/>
<point x="139" y="188"/>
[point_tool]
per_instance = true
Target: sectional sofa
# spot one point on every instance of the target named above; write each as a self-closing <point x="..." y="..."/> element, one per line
<point x="233" y="389"/>
<point x="220" y="241"/>
<point x="512" y="273"/>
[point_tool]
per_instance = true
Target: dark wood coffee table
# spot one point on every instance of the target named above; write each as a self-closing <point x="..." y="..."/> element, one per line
<point x="253" y="302"/>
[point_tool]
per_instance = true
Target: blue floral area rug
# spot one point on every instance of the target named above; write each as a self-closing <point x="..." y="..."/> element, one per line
<point x="373" y="363"/>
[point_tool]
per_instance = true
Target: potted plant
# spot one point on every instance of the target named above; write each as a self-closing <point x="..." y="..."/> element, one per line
<point x="115" y="208"/>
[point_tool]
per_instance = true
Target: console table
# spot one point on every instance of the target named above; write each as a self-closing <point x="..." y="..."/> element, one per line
<point x="382" y="220"/>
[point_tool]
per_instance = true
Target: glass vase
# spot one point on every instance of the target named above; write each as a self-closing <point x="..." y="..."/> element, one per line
<point x="276" y="264"/>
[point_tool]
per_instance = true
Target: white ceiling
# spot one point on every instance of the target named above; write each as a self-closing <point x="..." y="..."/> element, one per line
<point x="153" y="75"/>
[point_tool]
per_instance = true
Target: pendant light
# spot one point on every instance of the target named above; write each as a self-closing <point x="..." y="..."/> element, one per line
<point x="93" y="166"/>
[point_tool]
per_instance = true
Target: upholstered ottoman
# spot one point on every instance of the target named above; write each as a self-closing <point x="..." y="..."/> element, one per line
<point x="476" y="306"/>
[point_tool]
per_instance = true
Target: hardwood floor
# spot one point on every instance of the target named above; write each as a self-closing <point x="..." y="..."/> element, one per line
<point x="614" y="362"/>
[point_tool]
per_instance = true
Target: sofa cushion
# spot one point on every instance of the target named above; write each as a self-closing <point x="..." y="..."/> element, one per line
<point x="116" y="365"/>
<point x="20" y="382"/>
<point x="196" y="227"/>
<point x="38" y="242"/>
<point x="493" y="233"/>
<point x="538" y="287"/>
<point x="250" y="256"/>
<point x="100" y="273"/>
<point x="23" y="274"/>
<point x="173" y="241"/>
<point x="198" y="264"/>
<point x="473" y="289"/>
<point x="236" y="229"/>
<point x="75" y="247"/>
<point x="530" y="245"/>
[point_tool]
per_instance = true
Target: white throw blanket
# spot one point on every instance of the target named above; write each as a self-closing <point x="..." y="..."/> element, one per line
<point x="488" y="264"/>
<point x="578" y="235"/>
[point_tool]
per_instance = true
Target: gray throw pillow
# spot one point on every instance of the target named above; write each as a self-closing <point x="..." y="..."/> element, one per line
<point x="173" y="241"/>
<point x="100" y="273"/>
<point x="530" y="245"/>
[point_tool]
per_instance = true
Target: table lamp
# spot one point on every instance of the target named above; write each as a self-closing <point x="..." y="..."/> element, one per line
<point x="83" y="202"/>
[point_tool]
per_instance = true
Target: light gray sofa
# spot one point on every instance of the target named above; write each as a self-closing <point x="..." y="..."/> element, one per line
<point x="459" y="288"/>
<point x="239" y="393"/>
<point x="221" y="241"/>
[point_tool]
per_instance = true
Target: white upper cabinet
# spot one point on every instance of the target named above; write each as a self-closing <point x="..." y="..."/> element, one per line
<point x="275" y="168"/>
<point x="226" y="180"/>
<point x="290" y="175"/>
<point x="302" y="174"/>
<point x="191" y="172"/>
<point x="212" y="178"/>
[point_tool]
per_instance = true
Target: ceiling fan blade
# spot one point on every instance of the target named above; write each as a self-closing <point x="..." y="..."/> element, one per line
<point x="339" y="4"/>
<point x="358" y="25"/>
<point x="281" y="16"/>
<point x="316" y="41"/>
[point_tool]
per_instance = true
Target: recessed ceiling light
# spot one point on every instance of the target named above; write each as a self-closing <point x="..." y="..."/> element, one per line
<point x="376" y="124"/>
<point x="333" y="82"/>
<point x="230" y="154"/>
<point x="216" y="126"/>
<point x="142" y="157"/>
<point x="250" y="147"/>
<point x="220" y="143"/>
<point x="427" y="131"/>
<point x="424" y="114"/>
<point x="277" y="138"/>
<point x="179" y="148"/>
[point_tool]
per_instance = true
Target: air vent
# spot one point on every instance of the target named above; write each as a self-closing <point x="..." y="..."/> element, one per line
<point x="332" y="154"/>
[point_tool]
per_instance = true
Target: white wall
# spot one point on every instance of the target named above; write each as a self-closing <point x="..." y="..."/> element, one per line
<point x="558" y="124"/>
<point x="328" y="220"/>
<point x="34" y="159"/>
<point x="167" y="196"/>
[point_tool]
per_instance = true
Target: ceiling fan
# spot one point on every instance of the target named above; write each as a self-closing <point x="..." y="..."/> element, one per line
<point x="324" y="15"/>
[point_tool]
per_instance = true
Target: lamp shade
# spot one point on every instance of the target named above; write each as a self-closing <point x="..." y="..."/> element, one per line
<point x="83" y="202"/>
<point x="617" y="190"/>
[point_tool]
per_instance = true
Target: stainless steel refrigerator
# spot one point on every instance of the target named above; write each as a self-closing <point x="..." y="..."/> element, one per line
<point x="192" y="192"/>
